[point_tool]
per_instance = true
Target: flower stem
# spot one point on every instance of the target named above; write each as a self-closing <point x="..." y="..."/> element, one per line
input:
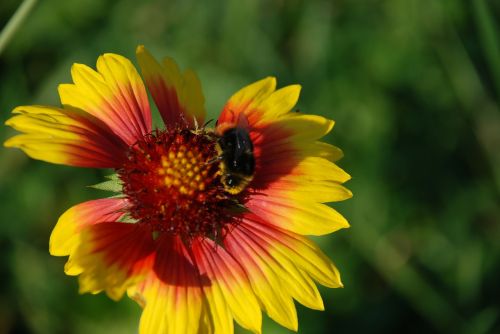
<point x="15" y="23"/>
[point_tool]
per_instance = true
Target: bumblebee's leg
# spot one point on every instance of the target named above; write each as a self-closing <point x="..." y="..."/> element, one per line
<point x="215" y="159"/>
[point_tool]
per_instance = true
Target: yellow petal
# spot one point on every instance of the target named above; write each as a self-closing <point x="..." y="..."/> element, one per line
<point x="312" y="169"/>
<point x="293" y="188"/>
<point x="65" y="137"/>
<point x="178" y="96"/>
<point x="298" y="216"/>
<point x="172" y="293"/>
<point x="114" y="94"/>
<point x="112" y="257"/>
<point x="264" y="275"/>
<point x="171" y="309"/>
<point x="305" y="254"/>
<point x="253" y="94"/>
<point x="230" y="290"/>
<point x="218" y="317"/>
<point x="279" y="102"/>
<point x="302" y="128"/>
<point x="242" y="108"/>
<point x="324" y="150"/>
<point x="66" y="234"/>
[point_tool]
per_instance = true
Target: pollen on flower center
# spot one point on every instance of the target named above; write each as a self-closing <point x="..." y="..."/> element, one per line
<point x="184" y="169"/>
<point x="173" y="184"/>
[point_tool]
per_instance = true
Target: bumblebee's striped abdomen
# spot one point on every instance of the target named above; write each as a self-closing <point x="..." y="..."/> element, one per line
<point x="238" y="162"/>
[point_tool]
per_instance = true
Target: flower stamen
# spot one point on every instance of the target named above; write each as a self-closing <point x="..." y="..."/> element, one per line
<point x="172" y="186"/>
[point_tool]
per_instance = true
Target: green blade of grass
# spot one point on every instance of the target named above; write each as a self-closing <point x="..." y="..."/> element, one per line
<point x="488" y="38"/>
<point x="15" y="23"/>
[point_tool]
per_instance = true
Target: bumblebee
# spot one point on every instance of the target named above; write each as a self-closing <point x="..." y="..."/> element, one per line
<point x="237" y="159"/>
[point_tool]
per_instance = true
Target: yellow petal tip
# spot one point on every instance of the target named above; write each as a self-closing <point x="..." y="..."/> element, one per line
<point x="18" y="110"/>
<point x="10" y="142"/>
<point x="331" y="123"/>
<point x="296" y="88"/>
<point x="272" y="79"/>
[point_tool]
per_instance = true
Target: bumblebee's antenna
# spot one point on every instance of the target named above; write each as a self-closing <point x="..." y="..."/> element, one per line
<point x="208" y="122"/>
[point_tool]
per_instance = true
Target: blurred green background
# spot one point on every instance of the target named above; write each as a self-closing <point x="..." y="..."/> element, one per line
<point x="414" y="86"/>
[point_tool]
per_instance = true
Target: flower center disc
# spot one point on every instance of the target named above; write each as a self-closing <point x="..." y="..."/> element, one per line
<point x="173" y="184"/>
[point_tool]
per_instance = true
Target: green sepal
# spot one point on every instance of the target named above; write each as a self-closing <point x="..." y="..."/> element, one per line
<point x="113" y="177"/>
<point x="127" y="219"/>
<point x="114" y="184"/>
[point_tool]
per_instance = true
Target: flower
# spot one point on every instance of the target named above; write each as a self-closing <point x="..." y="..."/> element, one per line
<point x="208" y="225"/>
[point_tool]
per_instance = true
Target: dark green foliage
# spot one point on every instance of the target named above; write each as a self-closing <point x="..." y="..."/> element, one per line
<point x="413" y="86"/>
